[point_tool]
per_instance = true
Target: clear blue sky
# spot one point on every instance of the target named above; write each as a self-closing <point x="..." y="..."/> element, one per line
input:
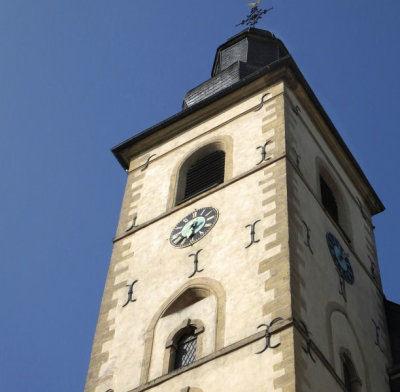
<point x="78" y="77"/>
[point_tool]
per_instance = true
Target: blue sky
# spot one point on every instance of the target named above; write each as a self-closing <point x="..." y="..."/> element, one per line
<point x="78" y="77"/>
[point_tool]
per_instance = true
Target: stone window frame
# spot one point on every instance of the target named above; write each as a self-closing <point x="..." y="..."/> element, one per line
<point x="215" y="288"/>
<point x="336" y="351"/>
<point x="174" y="336"/>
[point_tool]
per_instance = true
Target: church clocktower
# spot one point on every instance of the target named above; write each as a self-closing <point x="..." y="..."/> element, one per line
<point x="244" y="258"/>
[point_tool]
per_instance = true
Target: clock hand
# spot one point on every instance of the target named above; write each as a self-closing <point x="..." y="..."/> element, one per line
<point x="192" y="228"/>
<point x="190" y="233"/>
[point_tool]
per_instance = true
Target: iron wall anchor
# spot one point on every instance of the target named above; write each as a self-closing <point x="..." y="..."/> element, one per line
<point x="263" y="152"/>
<point x="146" y="165"/>
<point x="342" y="290"/>
<point x="196" y="263"/>
<point x="307" y="349"/>
<point x="133" y="223"/>
<point x="261" y="104"/>
<point x="377" y="335"/>
<point x="296" y="109"/>
<point x="268" y="335"/>
<point x="307" y="242"/>
<point x="252" y="233"/>
<point x="298" y="157"/>
<point x="130" y="293"/>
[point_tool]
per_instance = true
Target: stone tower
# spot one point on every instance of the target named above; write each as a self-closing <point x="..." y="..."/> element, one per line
<point x="244" y="258"/>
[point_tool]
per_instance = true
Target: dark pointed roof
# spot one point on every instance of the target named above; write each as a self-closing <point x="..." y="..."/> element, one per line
<point x="236" y="59"/>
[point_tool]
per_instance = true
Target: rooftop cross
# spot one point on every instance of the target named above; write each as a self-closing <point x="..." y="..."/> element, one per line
<point x="255" y="15"/>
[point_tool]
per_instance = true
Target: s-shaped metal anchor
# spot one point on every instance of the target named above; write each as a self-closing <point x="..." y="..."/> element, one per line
<point x="252" y="233"/>
<point x="268" y="334"/>
<point x="377" y="335"/>
<point x="133" y="223"/>
<point x="263" y="152"/>
<point x="342" y="290"/>
<point x="130" y="293"/>
<point x="307" y="242"/>
<point x="307" y="334"/>
<point x="196" y="263"/>
<point x="146" y="165"/>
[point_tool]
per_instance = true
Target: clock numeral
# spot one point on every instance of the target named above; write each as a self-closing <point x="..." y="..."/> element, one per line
<point x="194" y="214"/>
<point x="208" y="225"/>
<point x="209" y="212"/>
<point x="186" y="220"/>
<point x="202" y="212"/>
<point x="201" y="232"/>
<point x="211" y="217"/>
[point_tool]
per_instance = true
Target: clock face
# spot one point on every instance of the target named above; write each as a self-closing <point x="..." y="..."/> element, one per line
<point x="341" y="258"/>
<point x="193" y="227"/>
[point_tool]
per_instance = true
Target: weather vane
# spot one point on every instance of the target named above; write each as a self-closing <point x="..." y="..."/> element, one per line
<point x="255" y="15"/>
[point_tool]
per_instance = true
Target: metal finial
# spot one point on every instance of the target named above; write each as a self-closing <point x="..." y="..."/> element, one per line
<point x="255" y="15"/>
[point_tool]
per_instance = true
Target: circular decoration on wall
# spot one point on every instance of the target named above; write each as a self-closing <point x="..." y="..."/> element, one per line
<point x="193" y="227"/>
<point x="340" y="258"/>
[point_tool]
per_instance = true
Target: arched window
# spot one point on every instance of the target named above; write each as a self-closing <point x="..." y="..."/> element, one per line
<point x="185" y="349"/>
<point x="328" y="200"/>
<point x="347" y="378"/>
<point x="351" y="381"/>
<point x="203" y="170"/>
<point x="334" y="197"/>
<point x="207" y="172"/>
<point x="182" y="347"/>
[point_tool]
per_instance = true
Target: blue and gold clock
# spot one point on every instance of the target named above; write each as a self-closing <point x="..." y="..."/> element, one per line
<point x="340" y="258"/>
<point x="193" y="227"/>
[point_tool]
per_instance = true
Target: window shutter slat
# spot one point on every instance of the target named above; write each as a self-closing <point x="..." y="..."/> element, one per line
<point x="205" y="173"/>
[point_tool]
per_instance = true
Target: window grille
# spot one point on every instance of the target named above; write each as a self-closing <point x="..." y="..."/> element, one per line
<point x="185" y="350"/>
<point x="207" y="172"/>
<point x="328" y="200"/>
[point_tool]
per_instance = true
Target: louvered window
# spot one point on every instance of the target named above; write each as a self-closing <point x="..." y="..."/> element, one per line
<point x="185" y="348"/>
<point x="207" y="172"/>
<point x="328" y="200"/>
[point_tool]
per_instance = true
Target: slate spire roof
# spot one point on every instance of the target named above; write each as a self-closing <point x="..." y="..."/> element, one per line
<point x="239" y="57"/>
